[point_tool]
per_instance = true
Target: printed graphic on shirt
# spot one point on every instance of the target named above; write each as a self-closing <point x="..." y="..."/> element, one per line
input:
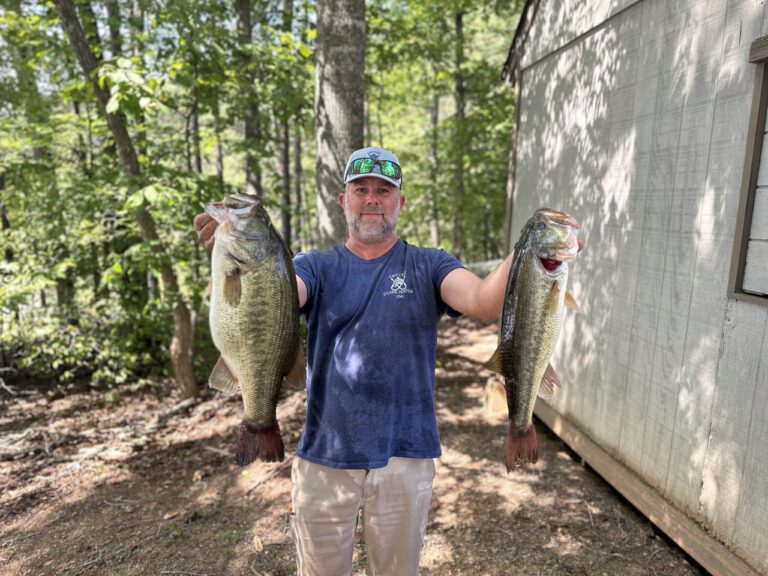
<point x="399" y="288"/>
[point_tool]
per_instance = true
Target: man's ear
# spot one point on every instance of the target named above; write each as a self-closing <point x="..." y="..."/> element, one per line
<point x="342" y="198"/>
<point x="402" y="200"/>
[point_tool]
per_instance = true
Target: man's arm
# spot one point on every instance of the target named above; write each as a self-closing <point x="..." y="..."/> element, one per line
<point x="302" y="291"/>
<point x="469" y="294"/>
<point x="205" y="227"/>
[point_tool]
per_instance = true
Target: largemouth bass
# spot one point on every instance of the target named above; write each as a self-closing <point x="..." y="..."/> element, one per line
<point x="531" y="322"/>
<point x="254" y="320"/>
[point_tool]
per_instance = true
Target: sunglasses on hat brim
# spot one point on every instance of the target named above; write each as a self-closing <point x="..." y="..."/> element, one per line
<point x="367" y="165"/>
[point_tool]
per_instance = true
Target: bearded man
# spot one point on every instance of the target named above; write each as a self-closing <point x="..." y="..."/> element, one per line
<point x="372" y="306"/>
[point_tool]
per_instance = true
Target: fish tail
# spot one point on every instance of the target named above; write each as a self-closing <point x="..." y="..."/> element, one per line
<point x="522" y="446"/>
<point x="265" y="444"/>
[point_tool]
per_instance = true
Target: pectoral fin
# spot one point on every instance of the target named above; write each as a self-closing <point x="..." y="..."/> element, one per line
<point x="549" y="381"/>
<point x="570" y="302"/>
<point x="495" y="362"/>
<point x="232" y="287"/>
<point x="553" y="300"/>
<point x="298" y="374"/>
<point x="222" y="379"/>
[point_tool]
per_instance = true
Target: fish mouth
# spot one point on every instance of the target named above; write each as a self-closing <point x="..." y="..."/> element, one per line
<point x="550" y="264"/>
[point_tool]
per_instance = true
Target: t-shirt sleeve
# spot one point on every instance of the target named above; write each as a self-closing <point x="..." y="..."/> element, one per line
<point x="445" y="263"/>
<point x="306" y="268"/>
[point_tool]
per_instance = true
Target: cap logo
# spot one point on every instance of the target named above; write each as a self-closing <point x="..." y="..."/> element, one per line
<point x="374" y="155"/>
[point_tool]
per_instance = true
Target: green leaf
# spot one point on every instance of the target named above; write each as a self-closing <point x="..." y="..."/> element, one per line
<point x="114" y="103"/>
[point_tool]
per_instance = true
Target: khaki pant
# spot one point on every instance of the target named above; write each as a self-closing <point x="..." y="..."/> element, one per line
<point x="395" y="503"/>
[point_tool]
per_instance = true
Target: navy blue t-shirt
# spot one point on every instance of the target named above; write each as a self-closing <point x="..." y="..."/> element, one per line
<point x="371" y="354"/>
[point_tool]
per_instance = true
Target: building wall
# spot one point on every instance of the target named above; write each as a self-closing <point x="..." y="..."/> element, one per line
<point x="633" y="118"/>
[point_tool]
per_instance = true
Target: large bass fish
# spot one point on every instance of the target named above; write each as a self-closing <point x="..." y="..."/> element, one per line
<point x="254" y="321"/>
<point x="531" y="322"/>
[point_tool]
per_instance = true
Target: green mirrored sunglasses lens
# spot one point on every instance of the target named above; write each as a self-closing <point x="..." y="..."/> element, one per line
<point x="388" y="168"/>
<point x="362" y="166"/>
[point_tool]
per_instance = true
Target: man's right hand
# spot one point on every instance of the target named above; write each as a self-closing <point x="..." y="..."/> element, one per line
<point x="205" y="228"/>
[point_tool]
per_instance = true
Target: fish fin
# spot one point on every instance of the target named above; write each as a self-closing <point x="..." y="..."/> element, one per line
<point x="553" y="301"/>
<point x="264" y="444"/>
<point x="495" y="362"/>
<point x="222" y="379"/>
<point x="549" y="381"/>
<point x="232" y="288"/>
<point x="570" y="302"/>
<point x="298" y="375"/>
<point x="522" y="447"/>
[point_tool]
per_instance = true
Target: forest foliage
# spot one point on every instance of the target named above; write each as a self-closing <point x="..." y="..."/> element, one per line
<point x="81" y="289"/>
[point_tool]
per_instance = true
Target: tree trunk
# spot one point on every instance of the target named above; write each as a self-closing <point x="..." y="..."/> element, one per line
<point x="252" y="121"/>
<point x="90" y="26"/>
<point x="434" y="223"/>
<point x="114" y="21"/>
<point x="339" y="97"/>
<point x="5" y="222"/>
<point x="37" y="112"/>
<point x="136" y="25"/>
<point x="460" y="142"/>
<point x="285" y="147"/>
<point x="181" y="350"/>
<point x="285" y="182"/>
<point x="298" y="205"/>
<point x="219" y="146"/>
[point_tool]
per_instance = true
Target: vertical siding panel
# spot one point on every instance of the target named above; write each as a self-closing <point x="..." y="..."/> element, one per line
<point x="665" y="155"/>
<point x="639" y="363"/>
<point x="752" y="516"/>
<point x="736" y="378"/>
<point x="684" y="457"/>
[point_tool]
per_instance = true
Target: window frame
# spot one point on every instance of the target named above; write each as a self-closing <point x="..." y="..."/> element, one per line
<point x="758" y="54"/>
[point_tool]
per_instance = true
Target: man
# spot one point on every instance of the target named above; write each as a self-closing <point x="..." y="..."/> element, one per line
<point x="372" y="307"/>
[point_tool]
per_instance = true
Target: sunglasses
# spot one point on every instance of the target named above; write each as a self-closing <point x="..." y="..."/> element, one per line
<point x="366" y="166"/>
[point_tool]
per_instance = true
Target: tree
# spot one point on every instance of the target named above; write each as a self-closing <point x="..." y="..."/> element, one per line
<point x="339" y="97"/>
<point x="460" y="137"/>
<point x="181" y="350"/>
<point x="252" y="119"/>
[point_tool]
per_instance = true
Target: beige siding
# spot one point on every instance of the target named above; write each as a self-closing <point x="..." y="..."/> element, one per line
<point x="634" y="119"/>
<point x="558" y="23"/>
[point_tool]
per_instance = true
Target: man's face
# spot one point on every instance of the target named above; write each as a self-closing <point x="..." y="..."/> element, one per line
<point x="372" y="207"/>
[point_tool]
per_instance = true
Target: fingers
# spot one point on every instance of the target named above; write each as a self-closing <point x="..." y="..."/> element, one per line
<point x="205" y="227"/>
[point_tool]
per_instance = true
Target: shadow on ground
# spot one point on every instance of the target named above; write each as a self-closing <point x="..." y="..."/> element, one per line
<point x="89" y="487"/>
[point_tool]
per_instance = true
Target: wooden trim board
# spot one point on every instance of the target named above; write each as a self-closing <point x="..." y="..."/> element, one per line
<point x="755" y="137"/>
<point x="686" y="533"/>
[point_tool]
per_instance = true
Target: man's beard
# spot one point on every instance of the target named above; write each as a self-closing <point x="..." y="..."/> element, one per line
<point x="371" y="232"/>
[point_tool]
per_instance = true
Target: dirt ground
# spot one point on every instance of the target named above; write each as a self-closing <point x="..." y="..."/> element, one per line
<point x="129" y="481"/>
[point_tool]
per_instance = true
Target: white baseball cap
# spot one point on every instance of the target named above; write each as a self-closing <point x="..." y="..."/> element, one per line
<point x="376" y="162"/>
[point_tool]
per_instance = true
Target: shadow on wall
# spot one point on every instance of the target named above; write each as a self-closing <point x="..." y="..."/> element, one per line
<point x="637" y="129"/>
